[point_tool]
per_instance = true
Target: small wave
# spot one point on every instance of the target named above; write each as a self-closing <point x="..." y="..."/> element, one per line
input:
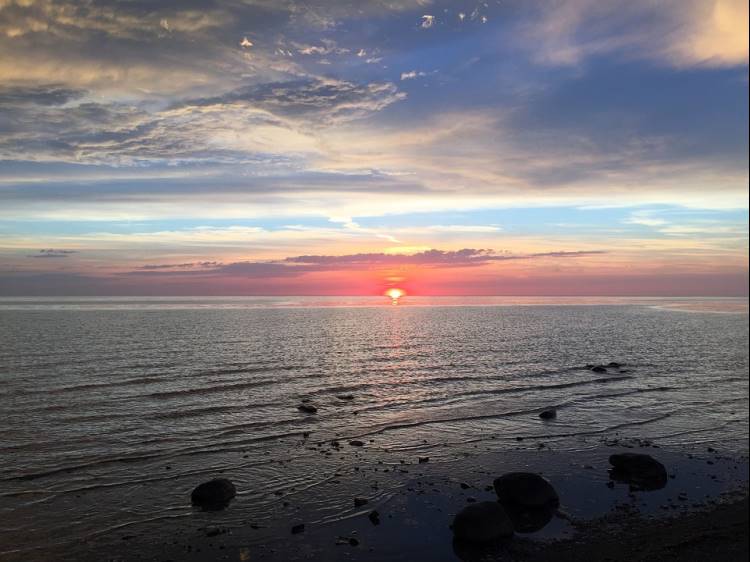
<point x="209" y="389"/>
<point x="217" y="447"/>
<point x="93" y="385"/>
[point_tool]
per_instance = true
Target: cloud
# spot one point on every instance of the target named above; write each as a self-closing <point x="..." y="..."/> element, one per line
<point x="680" y="33"/>
<point x="645" y="218"/>
<point x="52" y="253"/>
<point x="325" y="101"/>
<point x="297" y="265"/>
<point x="327" y="47"/>
<point x="65" y="19"/>
<point x="467" y="257"/>
<point x="412" y="74"/>
<point x="107" y="44"/>
<point x="179" y="266"/>
<point x="49" y="123"/>
<point x="43" y="95"/>
<point x="427" y="21"/>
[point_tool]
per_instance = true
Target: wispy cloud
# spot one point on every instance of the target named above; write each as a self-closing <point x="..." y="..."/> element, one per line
<point x="412" y="74"/>
<point x="52" y="253"/>
<point x="683" y="34"/>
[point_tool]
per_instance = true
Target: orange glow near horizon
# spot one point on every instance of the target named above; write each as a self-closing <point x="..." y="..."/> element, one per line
<point x="394" y="294"/>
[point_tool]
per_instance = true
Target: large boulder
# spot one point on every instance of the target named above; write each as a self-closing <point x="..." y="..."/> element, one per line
<point x="482" y="523"/>
<point x="526" y="490"/>
<point x="642" y="472"/>
<point x="529" y="519"/>
<point x="214" y="494"/>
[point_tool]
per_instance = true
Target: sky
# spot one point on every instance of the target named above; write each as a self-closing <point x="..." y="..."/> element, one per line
<point x="342" y="147"/>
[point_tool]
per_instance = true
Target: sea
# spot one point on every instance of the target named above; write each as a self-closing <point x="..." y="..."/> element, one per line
<point x="113" y="409"/>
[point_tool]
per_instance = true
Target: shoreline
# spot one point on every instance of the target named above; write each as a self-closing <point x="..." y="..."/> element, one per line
<point x="416" y="503"/>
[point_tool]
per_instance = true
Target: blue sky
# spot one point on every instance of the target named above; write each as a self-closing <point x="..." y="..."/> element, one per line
<point x="611" y="137"/>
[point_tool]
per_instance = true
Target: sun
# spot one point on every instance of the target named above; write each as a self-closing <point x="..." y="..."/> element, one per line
<point x="394" y="294"/>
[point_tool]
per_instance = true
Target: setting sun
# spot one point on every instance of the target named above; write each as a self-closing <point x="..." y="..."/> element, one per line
<point x="394" y="294"/>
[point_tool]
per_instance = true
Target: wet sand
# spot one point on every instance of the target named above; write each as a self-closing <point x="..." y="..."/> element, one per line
<point x="719" y="533"/>
<point x="702" y="509"/>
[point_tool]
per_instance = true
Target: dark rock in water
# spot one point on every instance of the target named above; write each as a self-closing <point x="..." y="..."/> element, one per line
<point x="359" y="502"/>
<point x="307" y="408"/>
<point x="525" y="489"/>
<point x="642" y="472"/>
<point x="529" y="519"/>
<point x="214" y="531"/>
<point x="297" y="529"/>
<point x="214" y="494"/>
<point x="482" y="522"/>
<point x="423" y="460"/>
<point x="548" y="414"/>
<point x="614" y="364"/>
<point x="356" y="443"/>
<point x="374" y="517"/>
<point x="345" y="397"/>
<point x="599" y="369"/>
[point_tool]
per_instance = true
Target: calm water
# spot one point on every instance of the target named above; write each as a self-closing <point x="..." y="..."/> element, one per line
<point x="113" y="409"/>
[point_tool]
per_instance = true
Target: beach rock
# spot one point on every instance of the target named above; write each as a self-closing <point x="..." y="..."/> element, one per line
<point x="214" y="494"/>
<point x="307" y="408"/>
<point x="642" y="472"/>
<point x="214" y="531"/>
<point x="356" y="443"/>
<point x="482" y="522"/>
<point x="599" y="369"/>
<point x="525" y="489"/>
<point x="529" y="519"/>
<point x="548" y="414"/>
<point x="374" y="517"/>
<point x="423" y="460"/>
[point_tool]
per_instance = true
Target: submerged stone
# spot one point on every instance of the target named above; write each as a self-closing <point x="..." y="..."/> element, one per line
<point x="482" y="522"/>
